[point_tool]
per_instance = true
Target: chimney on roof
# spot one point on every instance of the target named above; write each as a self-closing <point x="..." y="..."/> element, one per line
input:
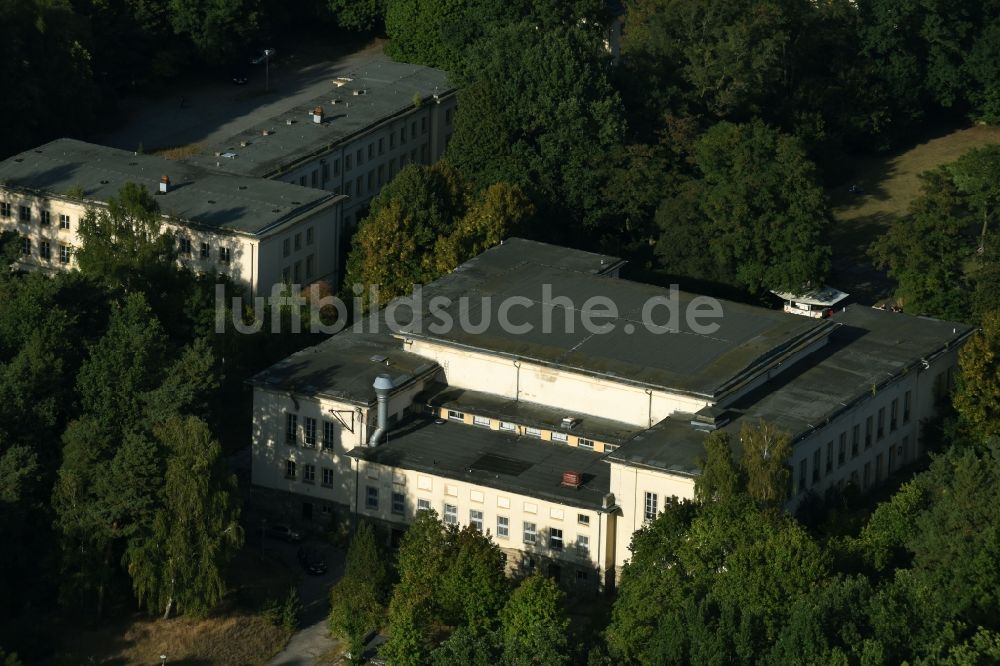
<point x="383" y="386"/>
<point x="164" y="184"/>
<point x="572" y="479"/>
<point x="317" y="115"/>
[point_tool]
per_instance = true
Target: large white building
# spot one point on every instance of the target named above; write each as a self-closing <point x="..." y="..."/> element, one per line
<point x="562" y="444"/>
<point x="245" y="228"/>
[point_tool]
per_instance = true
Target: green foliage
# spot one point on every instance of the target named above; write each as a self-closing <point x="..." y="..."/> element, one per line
<point x="291" y="610"/>
<point x="219" y="29"/>
<point x="766" y="451"/>
<point x="533" y="624"/>
<point x="977" y="398"/>
<point x="356" y="600"/>
<point x="719" y="479"/>
<point x="464" y="648"/>
<point x="359" y="15"/>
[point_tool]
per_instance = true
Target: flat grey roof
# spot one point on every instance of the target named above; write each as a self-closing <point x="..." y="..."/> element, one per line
<point x="748" y="340"/>
<point x="528" y="413"/>
<point x="344" y="367"/>
<point x="206" y="198"/>
<point x="389" y="88"/>
<point x="510" y="463"/>
<point x="868" y="348"/>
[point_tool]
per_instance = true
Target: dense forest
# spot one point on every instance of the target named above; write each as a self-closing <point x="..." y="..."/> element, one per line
<point x="700" y="155"/>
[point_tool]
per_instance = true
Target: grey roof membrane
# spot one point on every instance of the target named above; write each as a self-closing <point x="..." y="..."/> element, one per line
<point x="206" y="198"/>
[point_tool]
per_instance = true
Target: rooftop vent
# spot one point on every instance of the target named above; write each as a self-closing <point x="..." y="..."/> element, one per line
<point x="360" y="91"/>
<point x="378" y="358"/>
<point x="710" y="418"/>
<point x="164" y="184"/>
<point x="243" y="144"/>
<point x="289" y="122"/>
<point x="570" y="422"/>
<point x="608" y="501"/>
<point x="317" y="115"/>
<point x="265" y="132"/>
<point x="342" y="81"/>
<point x="572" y="479"/>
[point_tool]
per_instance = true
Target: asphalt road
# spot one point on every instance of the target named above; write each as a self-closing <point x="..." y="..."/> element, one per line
<point x="216" y="109"/>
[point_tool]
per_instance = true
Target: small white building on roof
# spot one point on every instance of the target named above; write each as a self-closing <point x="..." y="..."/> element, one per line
<point x="817" y="303"/>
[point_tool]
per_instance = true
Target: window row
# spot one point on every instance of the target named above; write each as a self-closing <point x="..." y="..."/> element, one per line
<point x="184" y="249"/>
<point x="287" y="244"/>
<point x="893" y="453"/>
<point x="293" y="274"/>
<point x="45" y="250"/>
<point x="527" y="431"/>
<point x="24" y="215"/>
<point x="308" y="473"/>
<point x="308" y="432"/>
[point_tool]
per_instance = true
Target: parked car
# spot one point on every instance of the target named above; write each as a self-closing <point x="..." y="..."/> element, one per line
<point x="239" y="78"/>
<point x="312" y="561"/>
<point x="282" y="532"/>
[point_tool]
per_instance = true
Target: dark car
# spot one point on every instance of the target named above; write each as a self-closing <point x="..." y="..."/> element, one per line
<point x="282" y="532"/>
<point x="239" y="78"/>
<point x="312" y="561"/>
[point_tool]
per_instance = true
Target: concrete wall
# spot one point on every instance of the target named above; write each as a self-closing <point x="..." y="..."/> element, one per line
<point x="574" y="392"/>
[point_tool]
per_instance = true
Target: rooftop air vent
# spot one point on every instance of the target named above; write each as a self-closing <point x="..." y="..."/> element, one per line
<point x="360" y="91"/>
<point x="317" y="115"/>
<point x="608" y="501"/>
<point x="378" y="358"/>
<point x="164" y="184"/>
<point x="572" y="479"/>
<point x="265" y="132"/>
<point x="289" y="122"/>
<point x="570" y="422"/>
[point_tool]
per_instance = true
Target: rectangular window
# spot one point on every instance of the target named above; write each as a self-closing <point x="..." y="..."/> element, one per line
<point x="507" y="425"/>
<point x="297" y="272"/>
<point x="45" y="250"/>
<point x="392" y="140"/>
<point x="371" y="181"/>
<point x="371" y="497"/>
<point x="869" y="431"/>
<point x="559" y="437"/>
<point x="881" y="423"/>
<point x="347" y="163"/>
<point x="816" y="455"/>
<point x="450" y="514"/>
<point x="532" y="432"/>
<point x="298" y="242"/>
<point x="359" y="185"/>
<point x="650" y="507"/>
<point x="4" y="209"/>
<point x="45" y="218"/>
<point x="481" y="421"/>
<point x="456" y="416"/>
<point x="206" y="251"/>
<point x="855" y="440"/>
<point x="328" y="435"/>
<point x="64" y="254"/>
<point x="314" y="178"/>
<point x="555" y="538"/>
<point x="609" y="448"/>
<point x="402" y="134"/>
<point x="310" y="266"/>
<point x="309" y="236"/>
<point x="360" y="157"/>
<point x="906" y="407"/>
<point x="184" y="244"/>
<point x="423" y="505"/>
<point x="224" y="255"/>
<point x="398" y="503"/>
<point x="829" y="456"/>
<point x="868" y="476"/>
<point x="423" y="125"/>
<point x="25" y="213"/>
<point x="529" y="533"/>
<point x="327" y="477"/>
<point x="503" y="527"/>
<point x="893" y="415"/>
<point x="582" y="544"/>
<point x="310" y="432"/>
<point x="583" y="519"/>
<point x="381" y="174"/>
<point x="381" y="145"/>
<point x="63" y="221"/>
<point x="291" y="429"/>
<point x="325" y="172"/>
<point x="476" y="519"/>
<point x="348" y="188"/>
<point x="25" y="246"/>
<point x="286" y="275"/>
<point x="289" y="469"/>
<point x="309" y="473"/>
<point x="842" y="450"/>
<point x="803" y="465"/>
<point x="302" y="181"/>
<point x="585" y="443"/>
<point x="371" y="151"/>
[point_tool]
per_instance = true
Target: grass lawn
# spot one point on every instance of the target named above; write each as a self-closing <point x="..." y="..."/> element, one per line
<point x="234" y="634"/>
<point x="890" y="183"/>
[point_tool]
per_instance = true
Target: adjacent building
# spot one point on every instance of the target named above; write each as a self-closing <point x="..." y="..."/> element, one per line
<point x="561" y="441"/>
<point x="256" y="232"/>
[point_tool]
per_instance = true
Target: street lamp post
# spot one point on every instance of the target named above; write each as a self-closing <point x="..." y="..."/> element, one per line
<point x="267" y="69"/>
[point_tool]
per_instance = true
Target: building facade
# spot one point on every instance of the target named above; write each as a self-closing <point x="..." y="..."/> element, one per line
<point x="563" y="445"/>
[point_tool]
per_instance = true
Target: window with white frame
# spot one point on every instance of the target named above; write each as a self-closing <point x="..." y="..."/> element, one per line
<point x="63" y="221"/>
<point x="24" y="213"/>
<point x="289" y="469"/>
<point x="476" y="519"/>
<point x="4" y="209"/>
<point x="45" y="250"/>
<point x="224" y="255"/>
<point x="583" y="519"/>
<point x="371" y="497"/>
<point x="450" y="514"/>
<point x="530" y="533"/>
<point x="45" y="218"/>
<point x="503" y="527"/>
<point x="555" y="538"/>
<point x="532" y="432"/>
<point x="423" y="505"/>
<point x="559" y="437"/>
<point x="25" y="246"/>
<point x="309" y="473"/>
<point x="398" y="503"/>
<point x="310" y="432"/>
<point x="327" y="477"/>
<point x="582" y="544"/>
<point x="327" y="434"/>
<point x="609" y="448"/>
<point x="584" y="443"/>
<point x="64" y="253"/>
<point x="650" y="507"/>
<point x="481" y="421"/>
<point x="184" y="246"/>
<point x="456" y="416"/>
<point x="507" y="425"/>
<point x="291" y="428"/>
<point x="206" y="250"/>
